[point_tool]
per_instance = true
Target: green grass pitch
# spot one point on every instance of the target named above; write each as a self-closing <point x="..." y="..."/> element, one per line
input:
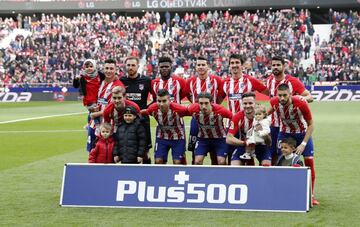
<point x="33" y="153"/>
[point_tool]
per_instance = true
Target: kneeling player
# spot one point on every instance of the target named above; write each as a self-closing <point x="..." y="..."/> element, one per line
<point x="170" y="132"/>
<point x="211" y="136"/>
<point x="240" y="124"/>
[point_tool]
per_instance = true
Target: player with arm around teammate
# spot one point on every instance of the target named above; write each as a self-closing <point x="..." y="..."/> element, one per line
<point x="170" y="131"/>
<point x="212" y="133"/>
<point x="202" y="82"/>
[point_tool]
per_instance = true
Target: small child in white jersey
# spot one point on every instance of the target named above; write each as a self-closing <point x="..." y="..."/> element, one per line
<point x="256" y="134"/>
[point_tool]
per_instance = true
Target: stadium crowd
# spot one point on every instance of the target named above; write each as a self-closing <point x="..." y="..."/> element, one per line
<point x="339" y="59"/>
<point x="255" y="35"/>
<point x="58" y="46"/>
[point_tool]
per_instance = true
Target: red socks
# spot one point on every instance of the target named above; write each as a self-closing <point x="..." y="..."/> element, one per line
<point x="310" y="163"/>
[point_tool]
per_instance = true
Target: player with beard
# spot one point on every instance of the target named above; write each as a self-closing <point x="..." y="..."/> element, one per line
<point x="173" y="84"/>
<point x="203" y="82"/>
<point x="296" y="122"/>
<point x="295" y="87"/>
<point x="240" y="124"/>
<point x="137" y="90"/>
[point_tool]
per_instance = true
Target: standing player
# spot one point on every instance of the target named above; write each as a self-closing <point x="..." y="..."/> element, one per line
<point x="240" y="124"/>
<point x="170" y="129"/>
<point x="295" y="87"/>
<point x="173" y="84"/>
<point x="137" y="90"/>
<point x="296" y="121"/>
<point x="239" y="83"/>
<point x="176" y="86"/>
<point x="203" y="82"/>
<point x="212" y="133"/>
<point x="104" y="96"/>
<point x="114" y="112"/>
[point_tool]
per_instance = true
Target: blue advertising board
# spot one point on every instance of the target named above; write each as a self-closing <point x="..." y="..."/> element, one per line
<point x="186" y="187"/>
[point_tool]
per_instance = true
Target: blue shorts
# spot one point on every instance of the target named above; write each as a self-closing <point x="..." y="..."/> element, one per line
<point x="203" y="146"/>
<point x="90" y="143"/>
<point x="299" y="137"/>
<point x="262" y="153"/>
<point x="194" y="127"/>
<point x="274" y="131"/>
<point x="163" y="146"/>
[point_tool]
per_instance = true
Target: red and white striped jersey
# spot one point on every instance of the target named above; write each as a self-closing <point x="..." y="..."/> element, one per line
<point x="116" y="117"/>
<point x="294" y="116"/>
<point x="174" y="85"/>
<point x="296" y="88"/>
<point x="235" y="88"/>
<point x="104" y="94"/>
<point x="210" y="125"/>
<point x="240" y="124"/>
<point x="212" y="84"/>
<point x="170" y="124"/>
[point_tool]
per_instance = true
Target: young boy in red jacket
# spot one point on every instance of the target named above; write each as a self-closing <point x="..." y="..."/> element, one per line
<point x="103" y="151"/>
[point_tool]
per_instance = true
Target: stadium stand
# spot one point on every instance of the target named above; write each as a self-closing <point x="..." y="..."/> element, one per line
<point x="58" y="45"/>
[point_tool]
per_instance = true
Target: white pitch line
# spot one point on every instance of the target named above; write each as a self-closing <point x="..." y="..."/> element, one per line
<point x="44" y="131"/>
<point x="38" y="118"/>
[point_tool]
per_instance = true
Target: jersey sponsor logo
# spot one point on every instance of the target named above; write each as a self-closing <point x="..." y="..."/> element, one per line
<point x="235" y="96"/>
<point x="134" y="96"/>
<point x="336" y="95"/>
<point x="183" y="192"/>
<point x="15" y="97"/>
<point x="102" y="101"/>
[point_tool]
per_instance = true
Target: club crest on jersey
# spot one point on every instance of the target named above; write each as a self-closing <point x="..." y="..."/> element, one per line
<point x="141" y="87"/>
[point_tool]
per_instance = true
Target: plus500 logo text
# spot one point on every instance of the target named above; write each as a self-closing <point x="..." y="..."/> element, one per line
<point x="188" y="193"/>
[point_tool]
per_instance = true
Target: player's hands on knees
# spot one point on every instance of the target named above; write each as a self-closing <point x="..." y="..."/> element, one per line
<point x="116" y="159"/>
<point x="300" y="149"/>
<point x="139" y="159"/>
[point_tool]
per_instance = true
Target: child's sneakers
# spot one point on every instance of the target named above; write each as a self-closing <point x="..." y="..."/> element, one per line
<point x="248" y="156"/>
